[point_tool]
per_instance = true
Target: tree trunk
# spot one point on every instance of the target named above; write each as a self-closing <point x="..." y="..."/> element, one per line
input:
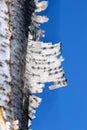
<point x="26" y="63"/>
<point x="15" y="18"/>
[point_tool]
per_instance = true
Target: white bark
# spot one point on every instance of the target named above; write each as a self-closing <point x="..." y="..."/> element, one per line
<point x="43" y="61"/>
<point x="25" y="62"/>
<point x="13" y="41"/>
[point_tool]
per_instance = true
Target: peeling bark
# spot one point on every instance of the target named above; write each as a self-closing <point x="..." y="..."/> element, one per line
<point x="19" y="31"/>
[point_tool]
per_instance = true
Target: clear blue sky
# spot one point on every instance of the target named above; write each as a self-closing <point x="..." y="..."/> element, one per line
<point x="66" y="108"/>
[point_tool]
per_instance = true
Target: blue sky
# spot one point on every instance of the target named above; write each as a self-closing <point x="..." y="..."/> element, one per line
<point x="66" y="108"/>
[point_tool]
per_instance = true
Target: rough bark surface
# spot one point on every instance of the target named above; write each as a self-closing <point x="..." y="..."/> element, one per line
<point x="14" y="21"/>
<point x="26" y="63"/>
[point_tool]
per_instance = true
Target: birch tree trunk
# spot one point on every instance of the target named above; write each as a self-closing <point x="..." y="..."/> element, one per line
<point x="26" y="63"/>
<point x="14" y="21"/>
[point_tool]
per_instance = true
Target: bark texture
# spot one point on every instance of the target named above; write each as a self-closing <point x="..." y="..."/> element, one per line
<point x="14" y="21"/>
<point x="23" y="68"/>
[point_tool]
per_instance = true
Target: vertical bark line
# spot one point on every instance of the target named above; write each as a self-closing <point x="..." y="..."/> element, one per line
<point x="30" y="8"/>
<point x="19" y="24"/>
